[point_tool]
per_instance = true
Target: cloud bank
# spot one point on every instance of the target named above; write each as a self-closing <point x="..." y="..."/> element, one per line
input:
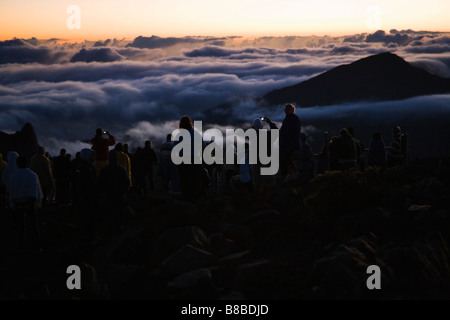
<point x="139" y="89"/>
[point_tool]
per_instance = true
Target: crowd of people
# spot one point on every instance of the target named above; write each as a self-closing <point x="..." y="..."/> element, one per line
<point x="99" y="179"/>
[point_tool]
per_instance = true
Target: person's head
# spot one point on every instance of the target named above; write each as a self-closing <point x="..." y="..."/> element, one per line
<point x="289" y="109"/>
<point x="376" y="136"/>
<point x="78" y="155"/>
<point x="62" y="152"/>
<point x="257" y="124"/>
<point x="148" y="144"/>
<point x="99" y="132"/>
<point x="113" y="156"/>
<point x="396" y="130"/>
<point x="125" y="147"/>
<point x="344" y="132"/>
<point x="12" y="156"/>
<point x="41" y="150"/>
<point x="22" y="162"/>
<point x="351" y="131"/>
<point x="169" y="137"/>
<point x="119" y="147"/>
<point x="68" y="156"/>
<point x="87" y="155"/>
<point x="186" y="123"/>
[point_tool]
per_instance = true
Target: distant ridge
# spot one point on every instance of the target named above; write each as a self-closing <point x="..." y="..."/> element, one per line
<point x="23" y="142"/>
<point x="380" y="77"/>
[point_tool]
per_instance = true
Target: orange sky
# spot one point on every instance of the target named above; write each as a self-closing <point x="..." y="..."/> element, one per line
<point x="101" y="19"/>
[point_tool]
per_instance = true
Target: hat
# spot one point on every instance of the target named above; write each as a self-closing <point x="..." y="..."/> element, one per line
<point x="257" y="124"/>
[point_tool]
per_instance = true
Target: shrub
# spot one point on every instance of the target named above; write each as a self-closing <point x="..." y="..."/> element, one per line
<point x="336" y="191"/>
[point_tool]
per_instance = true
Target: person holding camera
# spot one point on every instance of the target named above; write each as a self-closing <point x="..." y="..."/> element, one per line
<point x="101" y="145"/>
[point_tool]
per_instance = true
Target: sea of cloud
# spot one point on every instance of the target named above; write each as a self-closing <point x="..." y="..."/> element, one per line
<point x="138" y="89"/>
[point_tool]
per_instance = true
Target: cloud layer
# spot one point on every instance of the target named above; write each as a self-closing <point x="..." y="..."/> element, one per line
<point x="139" y="89"/>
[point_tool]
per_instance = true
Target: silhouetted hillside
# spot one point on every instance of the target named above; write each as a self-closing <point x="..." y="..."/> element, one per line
<point x="384" y="76"/>
<point x="24" y="141"/>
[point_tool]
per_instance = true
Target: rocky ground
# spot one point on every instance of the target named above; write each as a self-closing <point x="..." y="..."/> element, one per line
<point x="314" y="241"/>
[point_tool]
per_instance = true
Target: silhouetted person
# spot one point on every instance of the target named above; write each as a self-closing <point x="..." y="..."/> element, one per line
<point x="10" y="168"/>
<point x="114" y="183"/>
<point x="377" y="152"/>
<point x="359" y="148"/>
<point x="123" y="159"/>
<point x="333" y="154"/>
<point x="42" y="166"/>
<point x="86" y="194"/>
<point x="169" y="172"/>
<point x="126" y="150"/>
<point x="62" y="169"/>
<point x="25" y="195"/>
<point x="149" y="160"/>
<point x="346" y="150"/>
<point x="3" y="165"/>
<point x="245" y="170"/>
<point x="101" y="147"/>
<point x="305" y="164"/>
<point x="395" y="156"/>
<point x="190" y="174"/>
<point x="261" y="182"/>
<point x="74" y="166"/>
<point x="290" y="142"/>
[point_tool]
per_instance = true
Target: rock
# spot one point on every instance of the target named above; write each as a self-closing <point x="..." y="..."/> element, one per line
<point x="429" y="189"/>
<point x="92" y="288"/>
<point x="357" y="223"/>
<point x="256" y="278"/>
<point x="240" y="235"/>
<point x="117" y="275"/>
<point x="332" y="275"/>
<point x="221" y="246"/>
<point x="177" y="207"/>
<point x="421" y="212"/>
<point x="173" y="240"/>
<point x="217" y="205"/>
<point x="136" y="282"/>
<point x="233" y="258"/>
<point x="196" y="284"/>
<point x="235" y="295"/>
<point x="186" y="259"/>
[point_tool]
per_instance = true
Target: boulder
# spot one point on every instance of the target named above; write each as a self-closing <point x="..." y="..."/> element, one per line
<point x="186" y="259"/>
<point x="174" y="239"/>
<point x="196" y="284"/>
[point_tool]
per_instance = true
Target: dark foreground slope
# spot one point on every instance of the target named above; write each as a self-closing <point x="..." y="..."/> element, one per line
<point x="380" y="77"/>
<point x="315" y="241"/>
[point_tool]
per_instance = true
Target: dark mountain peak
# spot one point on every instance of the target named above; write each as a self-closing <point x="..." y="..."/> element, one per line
<point x="382" y="58"/>
<point x="383" y="76"/>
